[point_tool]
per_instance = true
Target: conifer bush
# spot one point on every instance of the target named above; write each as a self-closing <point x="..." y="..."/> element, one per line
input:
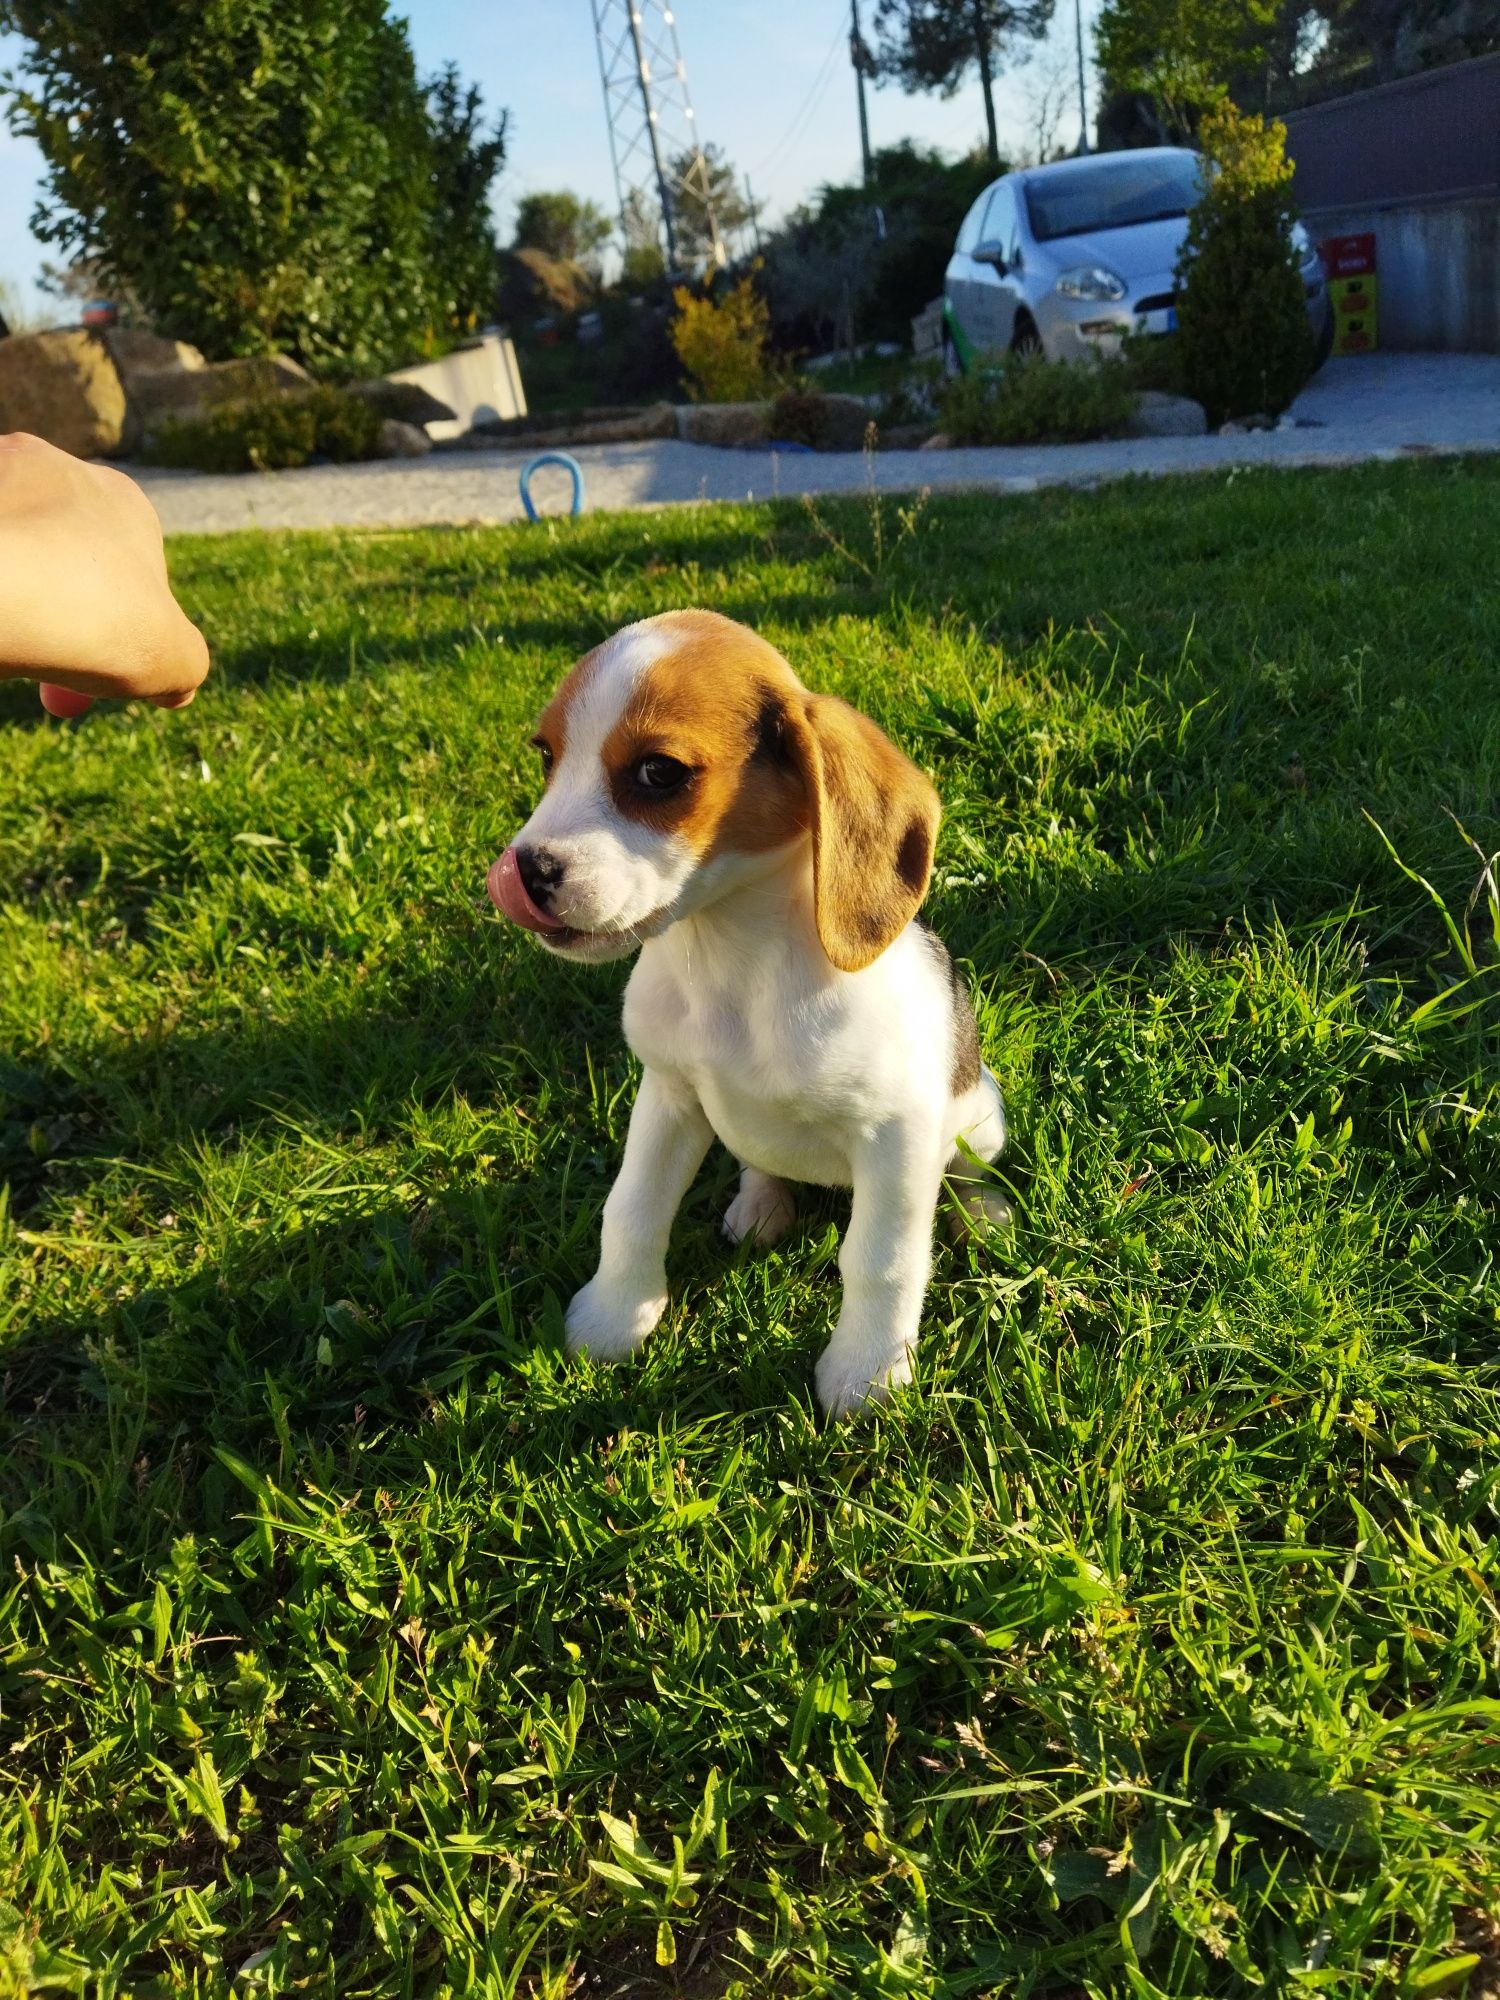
<point x="1243" y="340"/>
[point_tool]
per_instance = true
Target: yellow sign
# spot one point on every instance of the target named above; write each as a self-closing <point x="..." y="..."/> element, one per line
<point x="1353" y="313"/>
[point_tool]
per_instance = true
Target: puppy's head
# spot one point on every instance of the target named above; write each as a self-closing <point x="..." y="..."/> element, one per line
<point x="679" y="756"/>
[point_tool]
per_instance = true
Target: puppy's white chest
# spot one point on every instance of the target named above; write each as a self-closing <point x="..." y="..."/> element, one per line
<point x="760" y="1063"/>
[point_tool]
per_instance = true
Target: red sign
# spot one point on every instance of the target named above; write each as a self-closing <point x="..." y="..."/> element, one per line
<point x="1348" y="256"/>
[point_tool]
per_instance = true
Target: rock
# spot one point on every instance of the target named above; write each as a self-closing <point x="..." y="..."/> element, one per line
<point x="843" y="421"/>
<point x="405" y="402"/>
<point x="927" y="330"/>
<point x="939" y="441"/>
<point x="723" y="423"/>
<point x="1157" y="415"/>
<point x="62" y="387"/>
<point x="397" y="440"/>
<point x="904" y="437"/>
<point x="189" y="392"/>
<point x="135" y="351"/>
<point x="1238" y="426"/>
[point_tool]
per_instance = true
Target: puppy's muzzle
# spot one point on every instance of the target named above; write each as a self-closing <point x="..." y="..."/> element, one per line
<point x="521" y="882"/>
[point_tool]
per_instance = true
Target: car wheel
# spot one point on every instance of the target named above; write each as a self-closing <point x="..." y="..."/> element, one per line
<point x="1026" y="341"/>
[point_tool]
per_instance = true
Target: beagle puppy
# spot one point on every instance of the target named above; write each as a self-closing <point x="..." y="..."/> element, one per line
<point x="766" y="850"/>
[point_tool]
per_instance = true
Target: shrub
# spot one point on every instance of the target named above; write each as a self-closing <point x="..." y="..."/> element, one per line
<point x="1155" y="362"/>
<point x="1021" y="399"/>
<point x="260" y="177"/>
<point x="1243" y="336"/>
<point x="722" y="342"/>
<point x="269" y="434"/>
<point x="345" y="428"/>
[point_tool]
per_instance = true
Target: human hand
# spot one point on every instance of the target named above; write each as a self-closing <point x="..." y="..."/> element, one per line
<point x="85" y="605"/>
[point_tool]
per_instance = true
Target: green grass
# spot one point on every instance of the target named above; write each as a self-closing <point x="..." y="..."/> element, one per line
<point x="1149" y="1645"/>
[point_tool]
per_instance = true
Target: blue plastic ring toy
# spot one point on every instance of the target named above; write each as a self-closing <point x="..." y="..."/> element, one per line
<point x="570" y="465"/>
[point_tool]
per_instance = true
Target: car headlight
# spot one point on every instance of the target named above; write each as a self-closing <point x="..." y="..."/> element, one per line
<point x="1090" y="281"/>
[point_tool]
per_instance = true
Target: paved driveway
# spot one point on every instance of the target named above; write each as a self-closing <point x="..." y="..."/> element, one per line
<point x="1375" y="406"/>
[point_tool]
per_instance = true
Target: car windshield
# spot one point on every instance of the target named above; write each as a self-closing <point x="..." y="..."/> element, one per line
<point x="1112" y="193"/>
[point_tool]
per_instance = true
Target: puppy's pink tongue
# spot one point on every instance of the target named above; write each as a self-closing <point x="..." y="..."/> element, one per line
<point x="508" y="894"/>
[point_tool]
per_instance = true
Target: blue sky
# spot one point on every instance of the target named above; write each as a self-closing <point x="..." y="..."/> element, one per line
<point x="770" y="80"/>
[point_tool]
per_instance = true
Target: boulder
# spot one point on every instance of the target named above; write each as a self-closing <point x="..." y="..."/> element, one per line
<point x="403" y="402"/>
<point x="62" y="387"/>
<point x="843" y="423"/>
<point x="723" y="423"/>
<point x="189" y="393"/>
<point x="939" y="441"/>
<point x="135" y="351"/>
<point x="1159" y="415"/>
<point x="398" y="440"/>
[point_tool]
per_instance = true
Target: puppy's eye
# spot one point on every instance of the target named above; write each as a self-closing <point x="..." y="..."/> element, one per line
<point x="661" y="774"/>
<point x="544" y="751"/>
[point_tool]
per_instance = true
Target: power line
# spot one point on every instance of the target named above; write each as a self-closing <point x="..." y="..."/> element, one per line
<point x="816" y="93"/>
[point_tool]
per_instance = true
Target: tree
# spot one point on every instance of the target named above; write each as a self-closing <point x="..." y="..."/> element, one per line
<point x="1184" y="55"/>
<point x="466" y="156"/>
<point x="1242" y="333"/>
<point x="259" y="176"/>
<point x="564" y="225"/>
<point x="933" y="44"/>
<point x="708" y="196"/>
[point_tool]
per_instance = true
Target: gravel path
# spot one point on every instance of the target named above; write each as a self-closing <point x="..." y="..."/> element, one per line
<point x="1375" y="406"/>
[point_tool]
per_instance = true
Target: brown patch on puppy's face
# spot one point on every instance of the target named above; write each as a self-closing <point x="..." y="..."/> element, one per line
<point x="700" y="750"/>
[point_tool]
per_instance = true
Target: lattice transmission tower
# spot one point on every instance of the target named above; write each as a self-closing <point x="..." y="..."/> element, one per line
<point x="653" y="136"/>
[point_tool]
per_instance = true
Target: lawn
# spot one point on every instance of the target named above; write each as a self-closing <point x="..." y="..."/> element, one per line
<point x="352" y="1641"/>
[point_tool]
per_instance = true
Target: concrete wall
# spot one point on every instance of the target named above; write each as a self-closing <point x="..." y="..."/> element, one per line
<point x="1437" y="270"/>
<point x="478" y="382"/>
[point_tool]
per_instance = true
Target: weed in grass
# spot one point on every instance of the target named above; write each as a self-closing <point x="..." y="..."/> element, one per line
<point x="350" y="1641"/>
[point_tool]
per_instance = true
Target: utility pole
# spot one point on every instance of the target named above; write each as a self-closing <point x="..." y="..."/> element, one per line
<point x="1083" y="99"/>
<point x="857" y="57"/>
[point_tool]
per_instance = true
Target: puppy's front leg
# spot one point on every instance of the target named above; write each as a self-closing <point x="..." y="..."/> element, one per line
<point x="885" y="1261"/>
<point x="627" y="1295"/>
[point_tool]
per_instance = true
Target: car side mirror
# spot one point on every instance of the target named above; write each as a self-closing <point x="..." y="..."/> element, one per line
<point x="989" y="253"/>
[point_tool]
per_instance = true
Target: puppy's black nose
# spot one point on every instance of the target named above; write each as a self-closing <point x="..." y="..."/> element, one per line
<point x="541" y="873"/>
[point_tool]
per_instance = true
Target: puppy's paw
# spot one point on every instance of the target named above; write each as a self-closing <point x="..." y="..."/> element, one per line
<point x="608" y="1322"/>
<point x="977" y="1209"/>
<point x="763" y="1209"/>
<point x="851" y="1374"/>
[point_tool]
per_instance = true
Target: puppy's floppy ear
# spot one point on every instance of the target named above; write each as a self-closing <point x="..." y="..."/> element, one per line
<point x="874" y="820"/>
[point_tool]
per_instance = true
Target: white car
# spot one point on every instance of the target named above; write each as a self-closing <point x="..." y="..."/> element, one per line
<point x="1063" y="260"/>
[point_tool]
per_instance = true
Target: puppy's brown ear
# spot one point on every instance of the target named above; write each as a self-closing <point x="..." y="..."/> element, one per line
<point x="874" y="822"/>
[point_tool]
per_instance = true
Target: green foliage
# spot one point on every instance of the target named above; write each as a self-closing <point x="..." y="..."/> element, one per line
<point x="258" y="176"/>
<point x="722" y="340"/>
<point x="1024" y="399"/>
<point x="270" y="434"/>
<point x="1243" y="338"/>
<point x="1147" y="1646"/>
<point x="1184" y="54"/>
<point x="933" y="45"/>
<point x="828" y="272"/>
<point x="563" y="225"/>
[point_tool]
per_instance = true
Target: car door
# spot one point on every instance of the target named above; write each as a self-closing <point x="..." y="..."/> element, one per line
<point x="994" y="266"/>
<point x="961" y="284"/>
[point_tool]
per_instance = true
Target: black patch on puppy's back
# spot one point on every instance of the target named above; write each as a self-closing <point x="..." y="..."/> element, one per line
<point x="964" y="1071"/>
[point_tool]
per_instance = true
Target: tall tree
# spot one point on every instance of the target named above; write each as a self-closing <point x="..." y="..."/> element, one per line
<point x="258" y="175"/>
<point x="709" y="196"/>
<point x="562" y="224"/>
<point x="933" y="45"/>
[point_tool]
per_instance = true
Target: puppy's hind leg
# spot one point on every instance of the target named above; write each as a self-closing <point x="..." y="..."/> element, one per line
<point x="976" y="1202"/>
<point x="764" y="1209"/>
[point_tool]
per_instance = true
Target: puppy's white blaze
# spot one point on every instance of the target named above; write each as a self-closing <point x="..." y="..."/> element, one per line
<point x="616" y="872"/>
